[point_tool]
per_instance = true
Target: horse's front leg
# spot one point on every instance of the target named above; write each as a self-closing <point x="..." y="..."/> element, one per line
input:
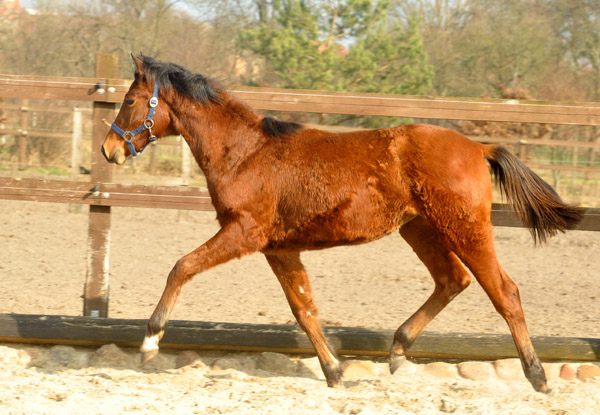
<point x="232" y="241"/>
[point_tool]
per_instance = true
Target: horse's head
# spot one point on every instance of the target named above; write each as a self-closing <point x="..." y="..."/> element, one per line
<point x="142" y="119"/>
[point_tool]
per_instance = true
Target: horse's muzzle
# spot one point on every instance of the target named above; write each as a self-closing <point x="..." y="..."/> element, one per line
<point x="104" y="154"/>
<point x="113" y="158"/>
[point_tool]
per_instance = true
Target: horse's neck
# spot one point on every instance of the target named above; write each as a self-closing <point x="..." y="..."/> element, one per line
<point x="220" y="136"/>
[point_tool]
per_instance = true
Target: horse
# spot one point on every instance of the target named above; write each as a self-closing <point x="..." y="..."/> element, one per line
<point x="280" y="188"/>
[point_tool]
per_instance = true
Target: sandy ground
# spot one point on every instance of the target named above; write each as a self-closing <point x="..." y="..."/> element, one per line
<point x="62" y="381"/>
<point x="378" y="285"/>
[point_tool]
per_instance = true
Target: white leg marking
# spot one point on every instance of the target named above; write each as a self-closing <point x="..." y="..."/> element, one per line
<point x="150" y="343"/>
<point x="333" y="359"/>
<point x="301" y="289"/>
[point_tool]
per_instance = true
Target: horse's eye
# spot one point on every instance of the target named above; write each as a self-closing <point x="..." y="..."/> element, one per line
<point x="129" y="101"/>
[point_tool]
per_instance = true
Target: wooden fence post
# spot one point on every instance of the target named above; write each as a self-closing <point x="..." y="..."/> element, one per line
<point x="152" y="162"/>
<point x="184" y="215"/>
<point x="75" y="155"/>
<point x="186" y="172"/>
<point x="76" y="142"/>
<point x="96" y="289"/>
<point x="523" y="150"/>
<point x="23" y="136"/>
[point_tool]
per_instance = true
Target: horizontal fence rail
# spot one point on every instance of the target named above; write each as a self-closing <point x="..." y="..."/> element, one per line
<point x="113" y="91"/>
<point x="420" y="107"/>
<point x="356" y="341"/>
<point x="177" y="197"/>
<point x="35" y="133"/>
<point x="63" y="88"/>
<point x="105" y="194"/>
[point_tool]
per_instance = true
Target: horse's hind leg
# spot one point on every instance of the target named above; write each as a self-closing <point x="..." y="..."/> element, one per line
<point x="481" y="259"/>
<point x="450" y="279"/>
<point x="294" y="281"/>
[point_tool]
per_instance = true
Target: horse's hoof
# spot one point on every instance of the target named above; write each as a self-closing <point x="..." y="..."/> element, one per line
<point x="335" y="383"/>
<point x="148" y="354"/>
<point x="396" y="363"/>
<point x="334" y="378"/>
<point x="537" y="377"/>
<point x="543" y="388"/>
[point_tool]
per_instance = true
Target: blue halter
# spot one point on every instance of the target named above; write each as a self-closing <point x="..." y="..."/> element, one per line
<point x="146" y="125"/>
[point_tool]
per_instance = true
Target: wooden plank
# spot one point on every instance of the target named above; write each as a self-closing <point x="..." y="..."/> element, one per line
<point x="35" y="133"/>
<point x="83" y="89"/>
<point x="40" y="329"/>
<point x="63" y="88"/>
<point x="503" y="215"/>
<point x="41" y="108"/>
<point x="420" y="106"/>
<point x="110" y="194"/>
<point x="534" y="142"/>
<point x="562" y="167"/>
<point x="591" y="221"/>
<point x="178" y="197"/>
<point x="558" y="143"/>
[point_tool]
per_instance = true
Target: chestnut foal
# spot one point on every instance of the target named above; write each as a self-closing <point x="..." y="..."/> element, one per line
<point x="280" y="188"/>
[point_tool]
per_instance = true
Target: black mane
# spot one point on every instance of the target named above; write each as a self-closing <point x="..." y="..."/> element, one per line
<point x="205" y="90"/>
<point x="277" y="128"/>
<point x="195" y="86"/>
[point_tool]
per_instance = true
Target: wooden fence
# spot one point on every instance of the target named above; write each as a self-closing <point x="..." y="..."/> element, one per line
<point x="105" y="91"/>
<point x="522" y="146"/>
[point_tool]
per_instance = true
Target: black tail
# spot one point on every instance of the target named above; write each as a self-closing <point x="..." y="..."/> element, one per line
<point x="541" y="209"/>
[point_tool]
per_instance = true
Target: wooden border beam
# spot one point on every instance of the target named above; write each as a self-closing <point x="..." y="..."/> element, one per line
<point x="178" y="197"/>
<point x="87" y="331"/>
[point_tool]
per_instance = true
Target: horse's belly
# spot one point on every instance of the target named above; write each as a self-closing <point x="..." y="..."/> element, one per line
<point x="340" y="228"/>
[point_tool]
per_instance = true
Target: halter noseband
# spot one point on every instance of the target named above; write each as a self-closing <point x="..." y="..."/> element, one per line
<point x="146" y="125"/>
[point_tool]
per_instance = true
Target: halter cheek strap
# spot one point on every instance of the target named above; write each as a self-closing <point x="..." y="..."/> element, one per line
<point x="146" y="125"/>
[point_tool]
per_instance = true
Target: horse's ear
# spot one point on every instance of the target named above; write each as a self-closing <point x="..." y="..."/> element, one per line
<point x="139" y="65"/>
